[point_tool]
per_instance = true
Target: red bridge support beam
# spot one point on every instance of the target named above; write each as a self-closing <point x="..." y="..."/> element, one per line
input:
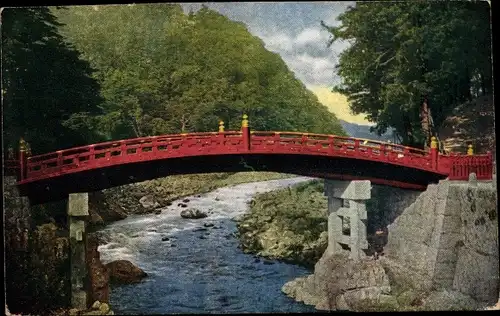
<point x="245" y="130"/>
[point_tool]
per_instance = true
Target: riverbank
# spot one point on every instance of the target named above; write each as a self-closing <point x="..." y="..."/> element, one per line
<point x="150" y="196"/>
<point x="288" y="224"/>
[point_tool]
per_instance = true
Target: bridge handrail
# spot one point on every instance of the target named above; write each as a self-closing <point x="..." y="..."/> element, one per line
<point x="127" y="141"/>
<point x="68" y="159"/>
<point x="387" y="144"/>
<point x="104" y="147"/>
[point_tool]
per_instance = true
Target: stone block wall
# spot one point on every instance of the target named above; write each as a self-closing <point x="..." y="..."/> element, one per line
<point x="477" y="267"/>
<point x="448" y="239"/>
<point x="387" y="204"/>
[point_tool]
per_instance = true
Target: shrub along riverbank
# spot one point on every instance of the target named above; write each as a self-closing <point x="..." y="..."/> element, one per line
<point x="288" y="224"/>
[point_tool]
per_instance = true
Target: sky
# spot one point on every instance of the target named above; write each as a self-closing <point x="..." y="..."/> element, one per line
<point x="293" y="30"/>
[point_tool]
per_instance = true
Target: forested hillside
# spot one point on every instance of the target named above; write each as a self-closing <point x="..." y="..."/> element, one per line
<point x="162" y="71"/>
<point x="77" y="75"/>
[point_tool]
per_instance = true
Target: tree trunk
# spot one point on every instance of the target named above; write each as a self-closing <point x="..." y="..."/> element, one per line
<point x="184" y="122"/>
<point x="136" y="128"/>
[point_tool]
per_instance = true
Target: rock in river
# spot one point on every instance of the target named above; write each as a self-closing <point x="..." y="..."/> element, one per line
<point x="123" y="271"/>
<point x="193" y="213"/>
<point x="148" y="202"/>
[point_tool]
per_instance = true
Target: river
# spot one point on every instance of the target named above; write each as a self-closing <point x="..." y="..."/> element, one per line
<point x="199" y="269"/>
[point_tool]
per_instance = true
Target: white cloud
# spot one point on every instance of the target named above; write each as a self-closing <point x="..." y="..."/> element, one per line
<point x="312" y="70"/>
<point x="293" y="31"/>
<point x="279" y="42"/>
<point x="310" y="35"/>
<point x="307" y="54"/>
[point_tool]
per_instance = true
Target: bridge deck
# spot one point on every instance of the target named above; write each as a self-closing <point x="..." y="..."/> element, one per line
<point x="103" y="165"/>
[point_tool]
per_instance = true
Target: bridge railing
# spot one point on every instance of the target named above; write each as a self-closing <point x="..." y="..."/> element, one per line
<point x="123" y="151"/>
<point x="462" y="166"/>
<point x="156" y="147"/>
<point x="341" y="145"/>
<point x="245" y="141"/>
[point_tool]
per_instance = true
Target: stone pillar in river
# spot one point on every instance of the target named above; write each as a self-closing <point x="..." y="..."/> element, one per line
<point x="78" y="210"/>
<point x="347" y="216"/>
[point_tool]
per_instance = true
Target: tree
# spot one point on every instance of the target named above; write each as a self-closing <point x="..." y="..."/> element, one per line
<point x="48" y="93"/>
<point x="163" y="71"/>
<point x="403" y="52"/>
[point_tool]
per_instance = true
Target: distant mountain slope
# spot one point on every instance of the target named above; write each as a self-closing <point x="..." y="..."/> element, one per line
<point x="363" y="131"/>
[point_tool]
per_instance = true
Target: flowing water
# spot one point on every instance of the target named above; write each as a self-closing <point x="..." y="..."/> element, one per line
<point x="199" y="269"/>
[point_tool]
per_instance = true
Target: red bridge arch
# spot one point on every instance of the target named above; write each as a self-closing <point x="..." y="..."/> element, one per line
<point x="93" y="167"/>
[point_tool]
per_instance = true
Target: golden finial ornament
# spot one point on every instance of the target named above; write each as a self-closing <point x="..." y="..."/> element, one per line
<point x="221" y="126"/>
<point x="434" y="143"/>
<point x="22" y="145"/>
<point x="244" y="123"/>
<point x="470" y="151"/>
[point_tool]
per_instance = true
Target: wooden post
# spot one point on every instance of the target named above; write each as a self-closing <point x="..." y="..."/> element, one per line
<point x="22" y="159"/>
<point x="245" y="130"/>
<point x="434" y="153"/>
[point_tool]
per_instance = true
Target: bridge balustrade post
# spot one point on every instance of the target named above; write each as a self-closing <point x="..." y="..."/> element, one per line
<point x="331" y="143"/>
<point x="154" y="146"/>
<point x="59" y="158"/>
<point x="245" y="131"/>
<point x="78" y="211"/>
<point x="92" y="153"/>
<point x="221" y="133"/>
<point x="434" y="153"/>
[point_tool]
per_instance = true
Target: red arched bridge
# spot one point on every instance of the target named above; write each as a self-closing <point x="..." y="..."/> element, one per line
<point x="94" y="167"/>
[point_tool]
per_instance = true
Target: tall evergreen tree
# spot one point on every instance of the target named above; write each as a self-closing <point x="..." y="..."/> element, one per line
<point x="48" y="92"/>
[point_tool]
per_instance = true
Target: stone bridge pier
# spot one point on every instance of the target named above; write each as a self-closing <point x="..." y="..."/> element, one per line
<point x="78" y="212"/>
<point x="347" y="217"/>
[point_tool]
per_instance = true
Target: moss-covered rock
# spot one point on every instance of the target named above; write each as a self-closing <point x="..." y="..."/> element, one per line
<point x="288" y="224"/>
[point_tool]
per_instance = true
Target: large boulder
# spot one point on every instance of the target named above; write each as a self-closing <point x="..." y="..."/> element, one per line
<point x="149" y="202"/>
<point x="340" y="283"/>
<point x="123" y="271"/>
<point x="193" y="214"/>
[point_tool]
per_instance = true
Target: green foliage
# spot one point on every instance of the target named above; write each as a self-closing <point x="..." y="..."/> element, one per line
<point x="403" y="52"/>
<point x="288" y="224"/>
<point x="163" y="71"/>
<point x="157" y="71"/>
<point x="48" y="93"/>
